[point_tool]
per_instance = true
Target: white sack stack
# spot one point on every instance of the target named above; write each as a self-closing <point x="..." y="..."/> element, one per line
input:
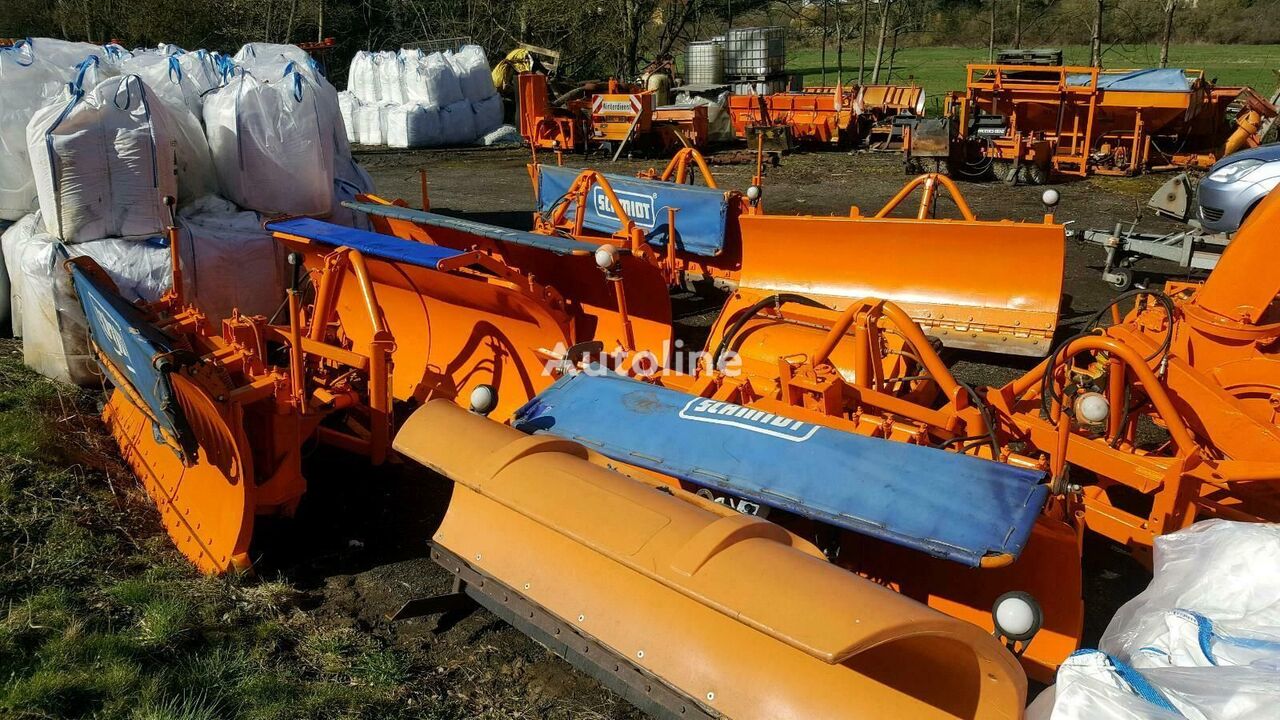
<point x="363" y="77"/>
<point x="103" y="162"/>
<point x="273" y="143"/>
<point x="410" y="126"/>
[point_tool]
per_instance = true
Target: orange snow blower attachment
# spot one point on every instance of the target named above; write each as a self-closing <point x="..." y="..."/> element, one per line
<point x="974" y="284"/>
<point x="690" y="608"/>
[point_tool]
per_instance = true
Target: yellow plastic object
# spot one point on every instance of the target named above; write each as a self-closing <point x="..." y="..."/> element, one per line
<point x="739" y="616"/>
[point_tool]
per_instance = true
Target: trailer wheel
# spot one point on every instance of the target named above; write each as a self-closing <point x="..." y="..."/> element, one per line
<point x="1122" y="279"/>
<point x="1005" y="171"/>
<point x="1035" y="174"/>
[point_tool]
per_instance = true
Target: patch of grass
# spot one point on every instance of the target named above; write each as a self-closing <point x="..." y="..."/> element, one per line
<point x="103" y="619"/>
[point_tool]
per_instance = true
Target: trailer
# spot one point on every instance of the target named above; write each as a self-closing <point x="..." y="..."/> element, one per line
<point x="1031" y="121"/>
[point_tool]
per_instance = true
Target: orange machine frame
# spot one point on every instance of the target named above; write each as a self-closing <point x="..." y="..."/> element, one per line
<point x="1078" y="129"/>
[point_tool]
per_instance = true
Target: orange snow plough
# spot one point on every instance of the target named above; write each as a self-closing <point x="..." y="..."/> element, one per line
<point x="686" y="606"/>
<point x="972" y="284"/>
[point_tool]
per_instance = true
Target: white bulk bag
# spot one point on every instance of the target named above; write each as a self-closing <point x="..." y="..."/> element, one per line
<point x="91" y="71"/>
<point x="488" y="114"/>
<point x="178" y="84"/>
<point x="63" y="54"/>
<point x="230" y="262"/>
<point x="15" y="239"/>
<point x="440" y="82"/>
<point x="274" y="60"/>
<point x="411" y="126"/>
<point x="458" y="123"/>
<point x="273" y="143"/>
<point x="104" y="162"/>
<point x="473" y="72"/>
<point x="348" y="103"/>
<point x="391" y="78"/>
<point x="25" y="84"/>
<point x="363" y="77"/>
<point x="54" y="330"/>
<point x="370" y="129"/>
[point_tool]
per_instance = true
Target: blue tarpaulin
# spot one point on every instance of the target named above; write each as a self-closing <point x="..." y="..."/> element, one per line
<point x="551" y="243"/>
<point x="701" y="214"/>
<point x="1150" y="80"/>
<point x="368" y="243"/>
<point x="943" y="503"/>
<point x="128" y="347"/>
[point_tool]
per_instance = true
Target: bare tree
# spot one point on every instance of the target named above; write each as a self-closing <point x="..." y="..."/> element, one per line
<point x="1017" y="24"/>
<point x="1169" y="7"/>
<point x="884" y="31"/>
<point x="991" y="39"/>
<point x="862" y="57"/>
<point x="1095" y="42"/>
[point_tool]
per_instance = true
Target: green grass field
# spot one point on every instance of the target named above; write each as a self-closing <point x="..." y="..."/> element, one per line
<point x="940" y="69"/>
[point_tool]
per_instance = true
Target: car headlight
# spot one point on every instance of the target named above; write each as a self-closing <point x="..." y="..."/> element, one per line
<point x="1234" y="171"/>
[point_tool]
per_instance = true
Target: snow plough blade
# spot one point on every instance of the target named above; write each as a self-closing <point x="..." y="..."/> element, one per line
<point x="188" y="449"/>
<point x="688" y="608"/>
<point x="972" y="284"/>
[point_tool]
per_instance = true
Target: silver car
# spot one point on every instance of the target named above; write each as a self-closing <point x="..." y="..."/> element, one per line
<point x="1235" y="185"/>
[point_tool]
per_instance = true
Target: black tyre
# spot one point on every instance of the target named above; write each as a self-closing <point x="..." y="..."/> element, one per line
<point x="1122" y="279"/>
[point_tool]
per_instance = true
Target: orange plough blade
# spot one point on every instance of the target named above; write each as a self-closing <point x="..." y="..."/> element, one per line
<point x="687" y="607"/>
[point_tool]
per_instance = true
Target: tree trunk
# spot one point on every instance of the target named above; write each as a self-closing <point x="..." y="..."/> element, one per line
<point x="862" y="58"/>
<point x="320" y="21"/>
<point x="839" y="47"/>
<point x="1017" y="25"/>
<point x="1169" y="7"/>
<point x="825" y="5"/>
<point x="884" y="31"/>
<point x="991" y="39"/>
<point x="1095" y="43"/>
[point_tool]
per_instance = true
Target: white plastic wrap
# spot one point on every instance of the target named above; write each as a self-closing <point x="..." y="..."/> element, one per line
<point x="273" y="143"/>
<point x="411" y="126"/>
<point x="391" y="78"/>
<point x="104" y="162"/>
<point x="458" y="123"/>
<point x="230" y="261"/>
<point x="1203" y="640"/>
<point x="488" y="114"/>
<point x="25" y="84"/>
<point x="363" y="77"/>
<point x="17" y="237"/>
<point x="54" y="330"/>
<point x="474" y="74"/>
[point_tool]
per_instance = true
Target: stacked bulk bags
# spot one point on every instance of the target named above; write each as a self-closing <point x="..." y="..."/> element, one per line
<point x="441" y="86"/>
<point x="476" y="80"/>
<point x="370" y="124"/>
<point x="474" y="75"/>
<point x="273" y="143"/>
<point x="25" y="83"/>
<point x="348" y="103"/>
<point x="103" y="161"/>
